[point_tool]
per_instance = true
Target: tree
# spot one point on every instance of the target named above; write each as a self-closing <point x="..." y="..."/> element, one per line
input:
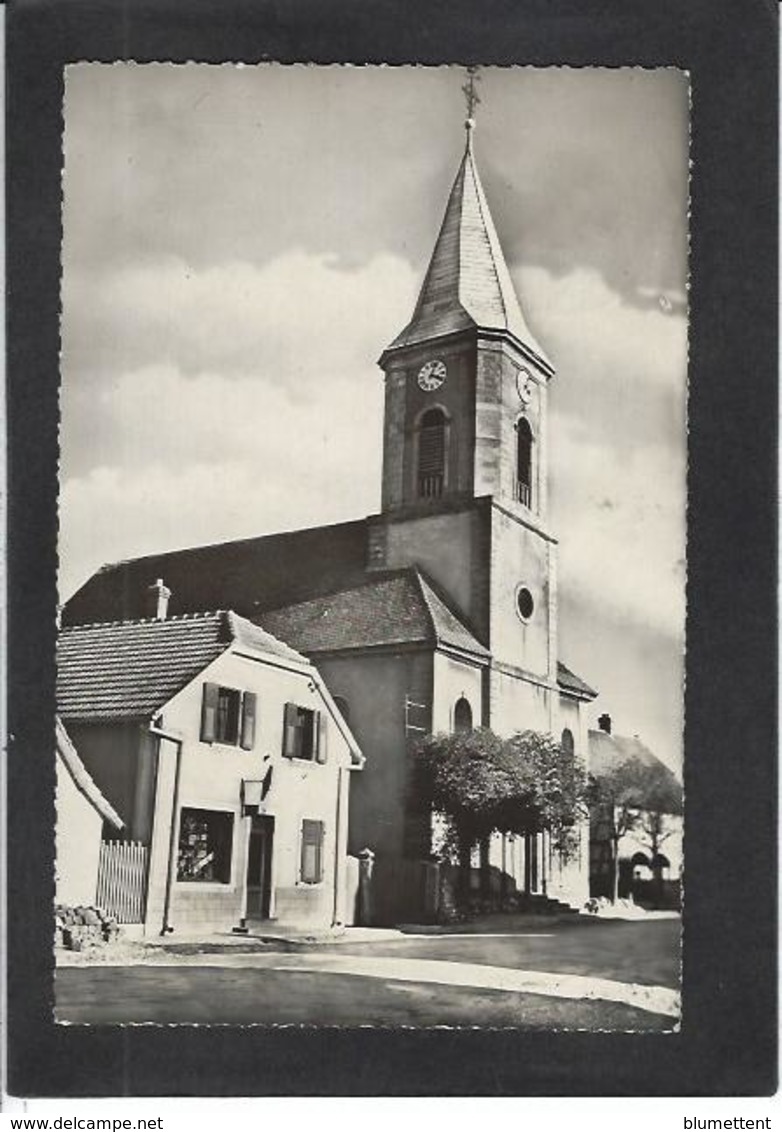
<point x="551" y="790"/>
<point x="462" y="777"/>
<point x="630" y="795"/>
<point x="662" y="799"/>
<point x="482" y="784"/>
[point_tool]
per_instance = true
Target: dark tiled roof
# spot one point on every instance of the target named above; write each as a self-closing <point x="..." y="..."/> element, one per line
<point x="448" y="629"/>
<point x="130" y="669"/>
<point x="392" y="609"/>
<point x="609" y="752"/>
<point x="249" y="575"/>
<point x="82" y="778"/>
<point x="569" y="682"/>
<point x="467" y="283"/>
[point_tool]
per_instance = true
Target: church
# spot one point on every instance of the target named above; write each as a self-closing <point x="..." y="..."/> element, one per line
<point x="439" y="612"/>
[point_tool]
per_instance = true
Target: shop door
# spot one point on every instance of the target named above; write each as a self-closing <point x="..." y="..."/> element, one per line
<point x="259" y="868"/>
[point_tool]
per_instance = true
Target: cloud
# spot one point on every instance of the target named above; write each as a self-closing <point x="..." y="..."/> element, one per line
<point x="216" y="164"/>
<point x="221" y="403"/>
<point x="211" y="165"/>
<point x="617" y="443"/>
<point x="293" y="321"/>
<point x="625" y="559"/>
<point x="208" y="460"/>
<point x="621" y="369"/>
<point x="599" y="179"/>
<point x="617" y="465"/>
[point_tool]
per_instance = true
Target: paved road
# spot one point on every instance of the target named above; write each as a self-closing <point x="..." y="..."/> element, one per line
<point x="328" y="984"/>
<point x="630" y="951"/>
<point x="243" y="995"/>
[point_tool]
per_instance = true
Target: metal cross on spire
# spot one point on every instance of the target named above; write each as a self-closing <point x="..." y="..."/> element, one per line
<point x="471" y="96"/>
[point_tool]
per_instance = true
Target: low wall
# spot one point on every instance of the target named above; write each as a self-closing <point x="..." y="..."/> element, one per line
<point x="351" y="891"/>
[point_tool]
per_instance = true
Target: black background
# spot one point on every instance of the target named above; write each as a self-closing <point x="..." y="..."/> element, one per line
<point x="727" y="1044"/>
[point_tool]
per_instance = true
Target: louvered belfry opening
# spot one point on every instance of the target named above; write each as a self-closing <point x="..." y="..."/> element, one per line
<point x="524" y="462"/>
<point x="431" y="454"/>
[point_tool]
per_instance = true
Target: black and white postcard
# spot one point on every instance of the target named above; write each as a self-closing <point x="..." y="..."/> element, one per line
<point x="378" y="560"/>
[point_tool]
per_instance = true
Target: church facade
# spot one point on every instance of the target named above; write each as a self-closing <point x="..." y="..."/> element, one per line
<point x="440" y="611"/>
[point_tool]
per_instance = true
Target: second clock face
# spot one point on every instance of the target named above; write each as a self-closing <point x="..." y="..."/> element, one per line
<point x="432" y="375"/>
<point x="524" y="386"/>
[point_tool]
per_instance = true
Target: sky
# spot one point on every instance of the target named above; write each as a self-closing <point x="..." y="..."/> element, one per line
<point x="241" y="243"/>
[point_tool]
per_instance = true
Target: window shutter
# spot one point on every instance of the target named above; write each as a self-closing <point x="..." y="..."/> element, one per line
<point x="249" y="707"/>
<point x="321" y="835"/>
<point x="290" y="731"/>
<point x="321" y="737"/>
<point x="312" y="851"/>
<point x="209" y="713"/>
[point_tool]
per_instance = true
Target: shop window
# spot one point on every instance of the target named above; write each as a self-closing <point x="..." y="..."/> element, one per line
<point x="205" y="843"/>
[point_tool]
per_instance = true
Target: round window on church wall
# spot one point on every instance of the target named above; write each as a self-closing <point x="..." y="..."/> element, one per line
<point x="524" y="603"/>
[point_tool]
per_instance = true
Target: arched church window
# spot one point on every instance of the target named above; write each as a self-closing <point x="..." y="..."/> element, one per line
<point x="431" y="454"/>
<point x="568" y="746"/>
<point x="462" y="715"/>
<point x="524" y="462"/>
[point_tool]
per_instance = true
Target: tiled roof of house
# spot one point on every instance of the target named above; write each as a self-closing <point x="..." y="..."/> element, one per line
<point x="82" y="778"/>
<point x="607" y="752"/>
<point x="247" y="575"/>
<point x="468" y="283"/>
<point x="569" y="682"/>
<point x="130" y="669"/>
<point x="397" y="608"/>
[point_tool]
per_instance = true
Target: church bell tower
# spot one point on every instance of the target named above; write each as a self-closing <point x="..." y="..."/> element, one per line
<point x="466" y="382"/>
<point x="464" y="493"/>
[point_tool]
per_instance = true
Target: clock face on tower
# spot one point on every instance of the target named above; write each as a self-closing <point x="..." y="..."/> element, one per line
<point x="431" y="375"/>
<point x="524" y="386"/>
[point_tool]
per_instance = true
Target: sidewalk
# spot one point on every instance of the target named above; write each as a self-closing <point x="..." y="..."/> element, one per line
<point x="263" y="935"/>
<point x="267" y="937"/>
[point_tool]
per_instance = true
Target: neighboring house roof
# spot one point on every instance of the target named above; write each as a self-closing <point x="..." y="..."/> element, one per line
<point x="397" y="608"/>
<point x="247" y="575"/>
<point x="130" y="669"/>
<point x="467" y="283"/>
<point x="569" y="682"/>
<point x="607" y="752"/>
<point x="81" y="777"/>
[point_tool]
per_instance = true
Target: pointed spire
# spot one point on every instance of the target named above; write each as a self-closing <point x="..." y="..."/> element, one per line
<point x="467" y="283"/>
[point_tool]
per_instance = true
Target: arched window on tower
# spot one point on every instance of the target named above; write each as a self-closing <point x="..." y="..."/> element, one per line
<point x="568" y="746"/>
<point x="462" y="715"/>
<point x="524" y="462"/>
<point x="431" y="454"/>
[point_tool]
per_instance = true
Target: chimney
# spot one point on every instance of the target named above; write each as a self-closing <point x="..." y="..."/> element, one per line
<point x="157" y="600"/>
<point x="604" y="723"/>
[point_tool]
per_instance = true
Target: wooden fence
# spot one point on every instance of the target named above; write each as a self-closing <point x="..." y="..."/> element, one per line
<point x="122" y="876"/>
